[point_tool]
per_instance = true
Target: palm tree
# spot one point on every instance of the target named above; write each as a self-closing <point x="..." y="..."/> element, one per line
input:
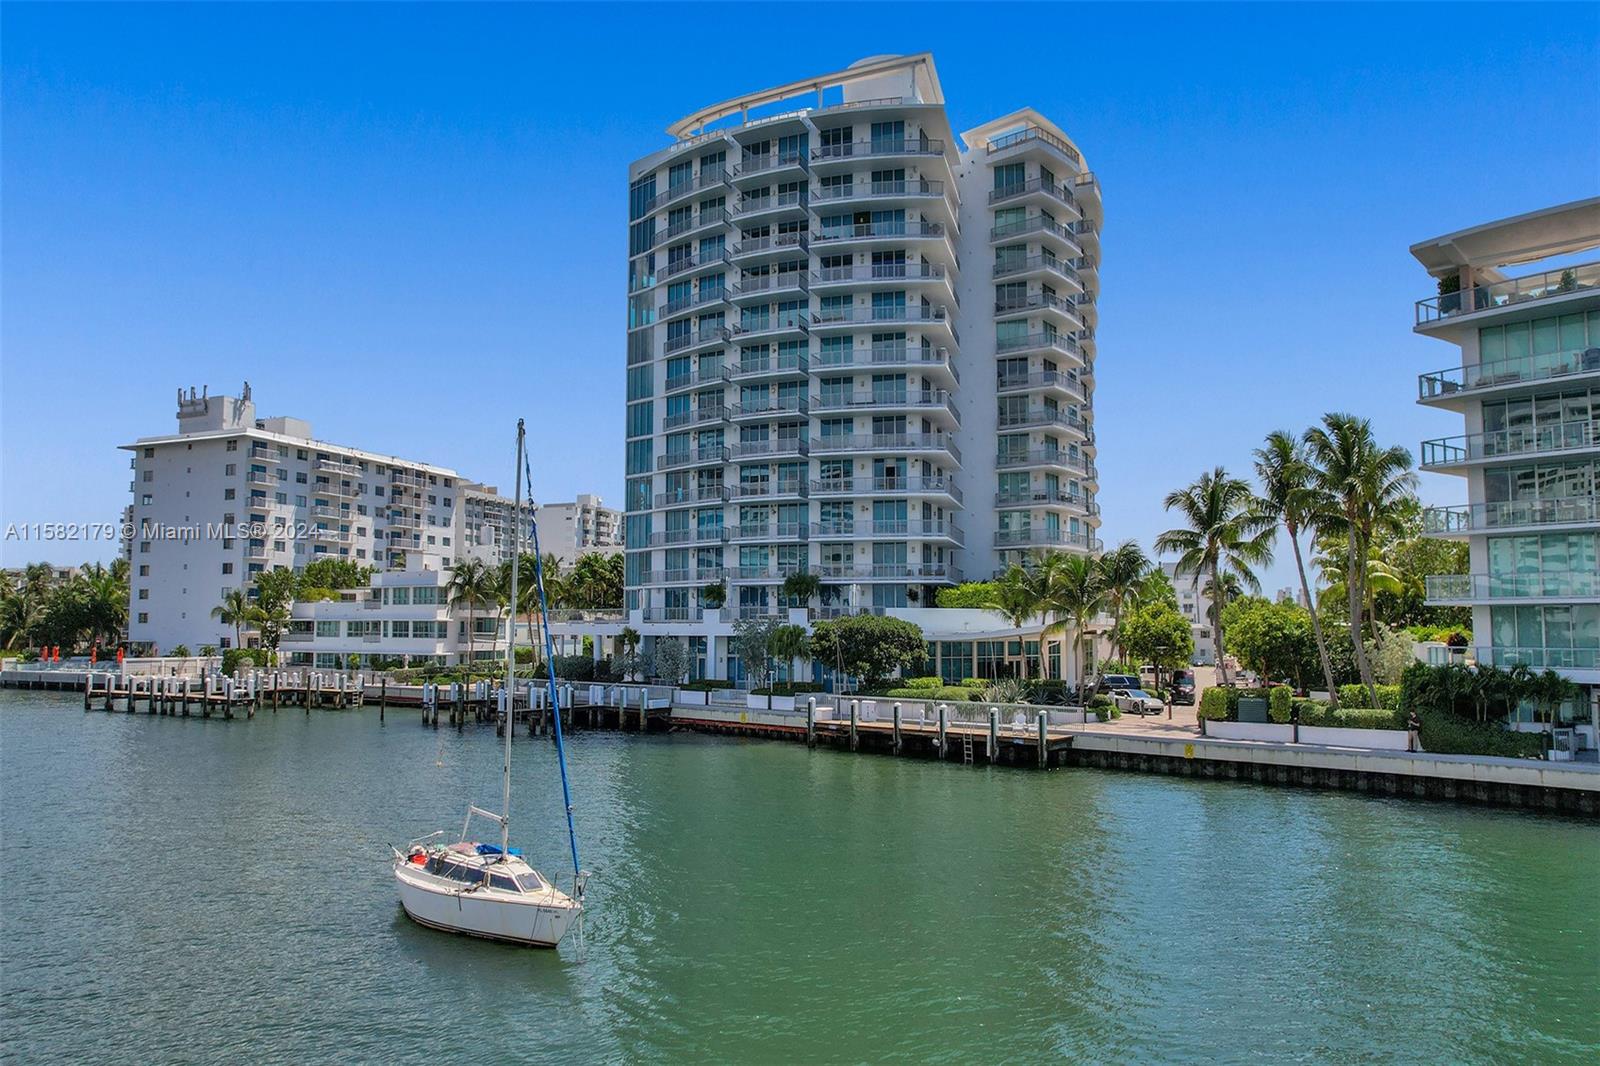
<point x="1219" y="598"/>
<point x="1077" y="592"/>
<point x="20" y="612"/>
<point x="237" y="611"/>
<point x="787" y="644"/>
<point x="471" y="583"/>
<point x="1122" y="570"/>
<point x="1287" y="495"/>
<point x="1363" y="485"/>
<point x="1226" y="533"/>
<point x="800" y="587"/>
<point x="1020" y="596"/>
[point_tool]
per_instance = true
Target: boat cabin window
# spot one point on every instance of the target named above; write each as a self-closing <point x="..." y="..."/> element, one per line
<point x="502" y="881"/>
<point x="457" y="872"/>
<point x="530" y="882"/>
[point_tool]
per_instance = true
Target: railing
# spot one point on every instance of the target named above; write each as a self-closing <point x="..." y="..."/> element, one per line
<point x="758" y="490"/>
<point x="879" y="315"/>
<point x="780" y="364"/>
<point x="1058" y="341"/>
<point x="1464" y="518"/>
<point x="698" y="416"/>
<point x="1025" y="227"/>
<point x="770" y="408"/>
<point x="1042" y="416"/>
<point x="1046" y="498"/>
<point x="1049" y="188"/>
<point x="877" y="147"/>
<point x="334" y="466"/>
<point x="259" y="452"/>
<point x="750" y="449"/>
<point x="851" y="442"/>
<point x="757" y="325"/>
<point x="1569" y="584"/>
<point x="715" y="217"/>
<point x="878" y="188"/>
<point x="778" y="243"/>
<point x="931" y="528"/>
<point x="682" y="264"/>
<point x="692" y="458"/>
<point x="1470" y="447"/>
<point x="717" y="334"/>
<point x="715" y="375"/>
<point x="881" y="486"/>
<point x="1035" y="134"/>
<point x="750" y="205"/>
<point x="705" y="180"/>
<point x="771" y="531"/>
<point x="935" y="398"/>
<point x="1045" y="538"/>
<point x="699" y="299"/>
<point x="255" y="551"/>
<point x="1516" y="371"/>
<point x="757" y="573"/>
<point x="717" y="494"/>
<point x="759" y="164"/>
<point x="1046" y="457"/>
<point x="863" y="230"/>
<point x="1511" y="291"/>
<point x="259" y="477"/>
<point x="892" y="571"/>
<point x="1038" y="301"/>
<point x="1045" y="379"/>
<point x="923" y="271"/>
<point x="879" y="355"/>
<point x="1007" y="267"/>
<point x="396" y="477"/>
<point x="1539" y="658"/>
<point x="787" y="279"/>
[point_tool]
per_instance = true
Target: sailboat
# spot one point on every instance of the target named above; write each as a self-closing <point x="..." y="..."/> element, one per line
<point x="481" y="888"/>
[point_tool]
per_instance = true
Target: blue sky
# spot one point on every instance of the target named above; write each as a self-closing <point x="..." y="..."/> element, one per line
<point x="407" y="224"/>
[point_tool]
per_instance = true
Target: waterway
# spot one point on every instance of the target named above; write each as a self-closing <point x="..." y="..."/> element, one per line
<point x="184" y="890"/>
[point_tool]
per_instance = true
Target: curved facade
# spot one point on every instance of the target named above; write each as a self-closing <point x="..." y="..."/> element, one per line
<point x="858" y="347"/>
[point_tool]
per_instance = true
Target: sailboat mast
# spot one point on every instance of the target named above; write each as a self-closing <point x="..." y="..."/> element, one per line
<point x="511" y="650"/>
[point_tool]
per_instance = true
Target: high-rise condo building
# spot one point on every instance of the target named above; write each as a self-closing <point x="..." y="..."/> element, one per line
<point x="1528" y="385"/>
<point x="859" y="346"/>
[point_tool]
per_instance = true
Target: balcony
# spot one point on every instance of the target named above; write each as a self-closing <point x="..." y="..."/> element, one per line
<point x="699" y="416"/>
<point x="880" y="231"/>
<point x="711" y="376"/>
<point x="1060" y="343"/>
<point x="1047" y="457"/>
<point x="705" y="336"/>
<point x="934" y="572"/>
<point x="882" y="316"/>
<point x="769" y="490"/>
<point x="689" y="264"/>
<point x="400" y="521"/>
<point x="1046" y="498"/>
<point x="765" y="449"/>
<point x="259" y="477"/>
<point x="715" y="178"/>
<point x="330" y="536"/>
<point x="907" y="530"/>
<point x="1507" y="375"/>
<point x="767" y="285"/>
<point x="1043" y="418"/>
<point x="717" y="216"/>
<point x="771" y="367"/>
<point x="892" y="275"/>
<point x="772" y="327"/>
<point x="1034" y="136"/>
<point x="337" y="513"/>
<point x="925" y="401"/>
<point x="763" y="574"/>
<point x="1064" y="312"/>
<point x="1539" y="658"/>
<point x="1043" y="381"/>
<point x="886" y="442"/>
<point x="334" y="466"/>
<point x="792" y="204"/>
<point x="685" y="497"/>
<point x="672" y="614"/>
<point x="1481" y="588"/>
<point x="399" y="477"/>
<point x="1033" y="189"/>
<point x="1501" y="444"/>
<point x="774" y="531"/>
<point x="1547" y="285"/>
<point x="877" y="148"/>
<point x="1040" y="226"/>
<point x="1020" y="266"/>
<point x="255" y="551"/>
<point x="783" y="407"/>
<point x="325" y="487"/>
<point x="1046" y="538"/>
<point x="880" y="190"/>
<point x="260" y="453"/>
<point x="700" y="299"/>
<point x="777" y="245"/>
<point x="769" y="163"/>
<point x="1507" y="515"/>
<point x="699" y="457"/>
<point x="887" y="486"/>
<point x="878" y="356"/>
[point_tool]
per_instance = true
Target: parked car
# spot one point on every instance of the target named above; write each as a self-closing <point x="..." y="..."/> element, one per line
<point x="1183" y="687"/>
<point x="1109" y="682"/>
<point x="1136" y="701"/>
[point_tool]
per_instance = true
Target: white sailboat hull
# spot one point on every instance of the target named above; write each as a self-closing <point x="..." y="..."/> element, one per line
<point x="535" y="920"/>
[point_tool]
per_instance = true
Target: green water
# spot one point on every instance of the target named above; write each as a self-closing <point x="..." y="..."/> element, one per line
<point x="204" y="891"/>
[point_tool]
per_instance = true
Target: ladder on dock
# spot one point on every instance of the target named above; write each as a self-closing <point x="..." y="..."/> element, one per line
<point x="966" y="749"/>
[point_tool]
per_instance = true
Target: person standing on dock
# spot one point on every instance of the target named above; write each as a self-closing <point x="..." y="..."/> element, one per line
<point x="1413" y="731"/>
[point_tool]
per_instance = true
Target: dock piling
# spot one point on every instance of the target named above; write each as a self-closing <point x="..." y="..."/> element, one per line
<point x="897" y="727"/>
<point x="811" y="722"/>
<point x="855" y="710"/>
<point x="944" y="716"/>
<point x="994" y="735"/>
<point x="1044" y="742"/>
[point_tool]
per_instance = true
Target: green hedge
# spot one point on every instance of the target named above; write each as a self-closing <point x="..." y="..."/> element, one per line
<point x="1279" y="700"/>
<point x="1449" y="734"/>
<point x="1356" y="696"/>
<point x="234" y="658"/>
<point x="787" y="689"/>
<point x="940" y="695"/>
<point x="1220" y="704"/>
<point x="925" y="684"/>
<point x="707" y="685"/>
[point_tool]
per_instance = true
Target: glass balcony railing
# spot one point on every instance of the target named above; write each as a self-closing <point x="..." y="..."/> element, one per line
<point x="1035" y="135"/>
<point x="1537" y="658"/>
<point x="1046" y="538"/>
<point x="1037" y="224"/>
<point x="887" y="442"/>
<point x="1527" y="369"/>
<point x="887" y="486"/>
<point x="1031" y="341"/>
<point x="1506" y="514"/>
<point x="1511" y="291"/>
<point x="1473" y="447"/>
<point x="1026" y="188"/>
<point x="1570" y="584"/>
<point x="1044" y="379"/>
<point x="878" y="146"/>
<point x="868" y="230"/>
<point x="1004" y="268"/>
<point x="878" y="189"/>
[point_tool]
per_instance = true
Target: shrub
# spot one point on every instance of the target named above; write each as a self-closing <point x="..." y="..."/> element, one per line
<point x="570" y="668"/>
<point x="180" y="652"/>
<point x="972" y="682"/>
<point x="707" y="684"/>
<point x="1309" y="710"/>
<point x="939" y="695"/>
<point x="787" y="688"/>
<point x="1445" y="733"/>
<point x="1279" y="700"/>
<point x="234" y="658"/>
<point x="926" y="683"/>
<point x="1358" y="718"/>
<point x="1100" y="701"/>
<point x="1356" y="696"/>
<point x="1107" y="711"/>
<point x="1215" y="705"/>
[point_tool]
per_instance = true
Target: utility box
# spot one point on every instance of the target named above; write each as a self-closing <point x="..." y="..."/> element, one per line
<point x="1253" y="709"/>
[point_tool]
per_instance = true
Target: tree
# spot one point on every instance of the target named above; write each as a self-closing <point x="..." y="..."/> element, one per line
<point x="800" y="587"/>
<point x="594" y="583"/>
<point x="1157" y="633"/>
<point x="471" y="585"/>
<point x="1075" y="593"/>
<point x="1390" y="654"/>
<point x="335" y="572"/>
<point x="788" y="644"/>
<point x="1288" y="496"/>
<point x="870" y="647"/>
<point x="1020" y="595"/>
<point x="969" y="594"/>
<point x="1362" y="484"/>
<point x="103" y="595"/>
<point x="671" y="660"/>
<point x="752" y="643"/>
<point x="237" y="611"/>
<point x="1122" y="569"/>
<point x="714" y="595"/>
<point x="1226" y="532"/>
<point x="1274" y="639"/>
